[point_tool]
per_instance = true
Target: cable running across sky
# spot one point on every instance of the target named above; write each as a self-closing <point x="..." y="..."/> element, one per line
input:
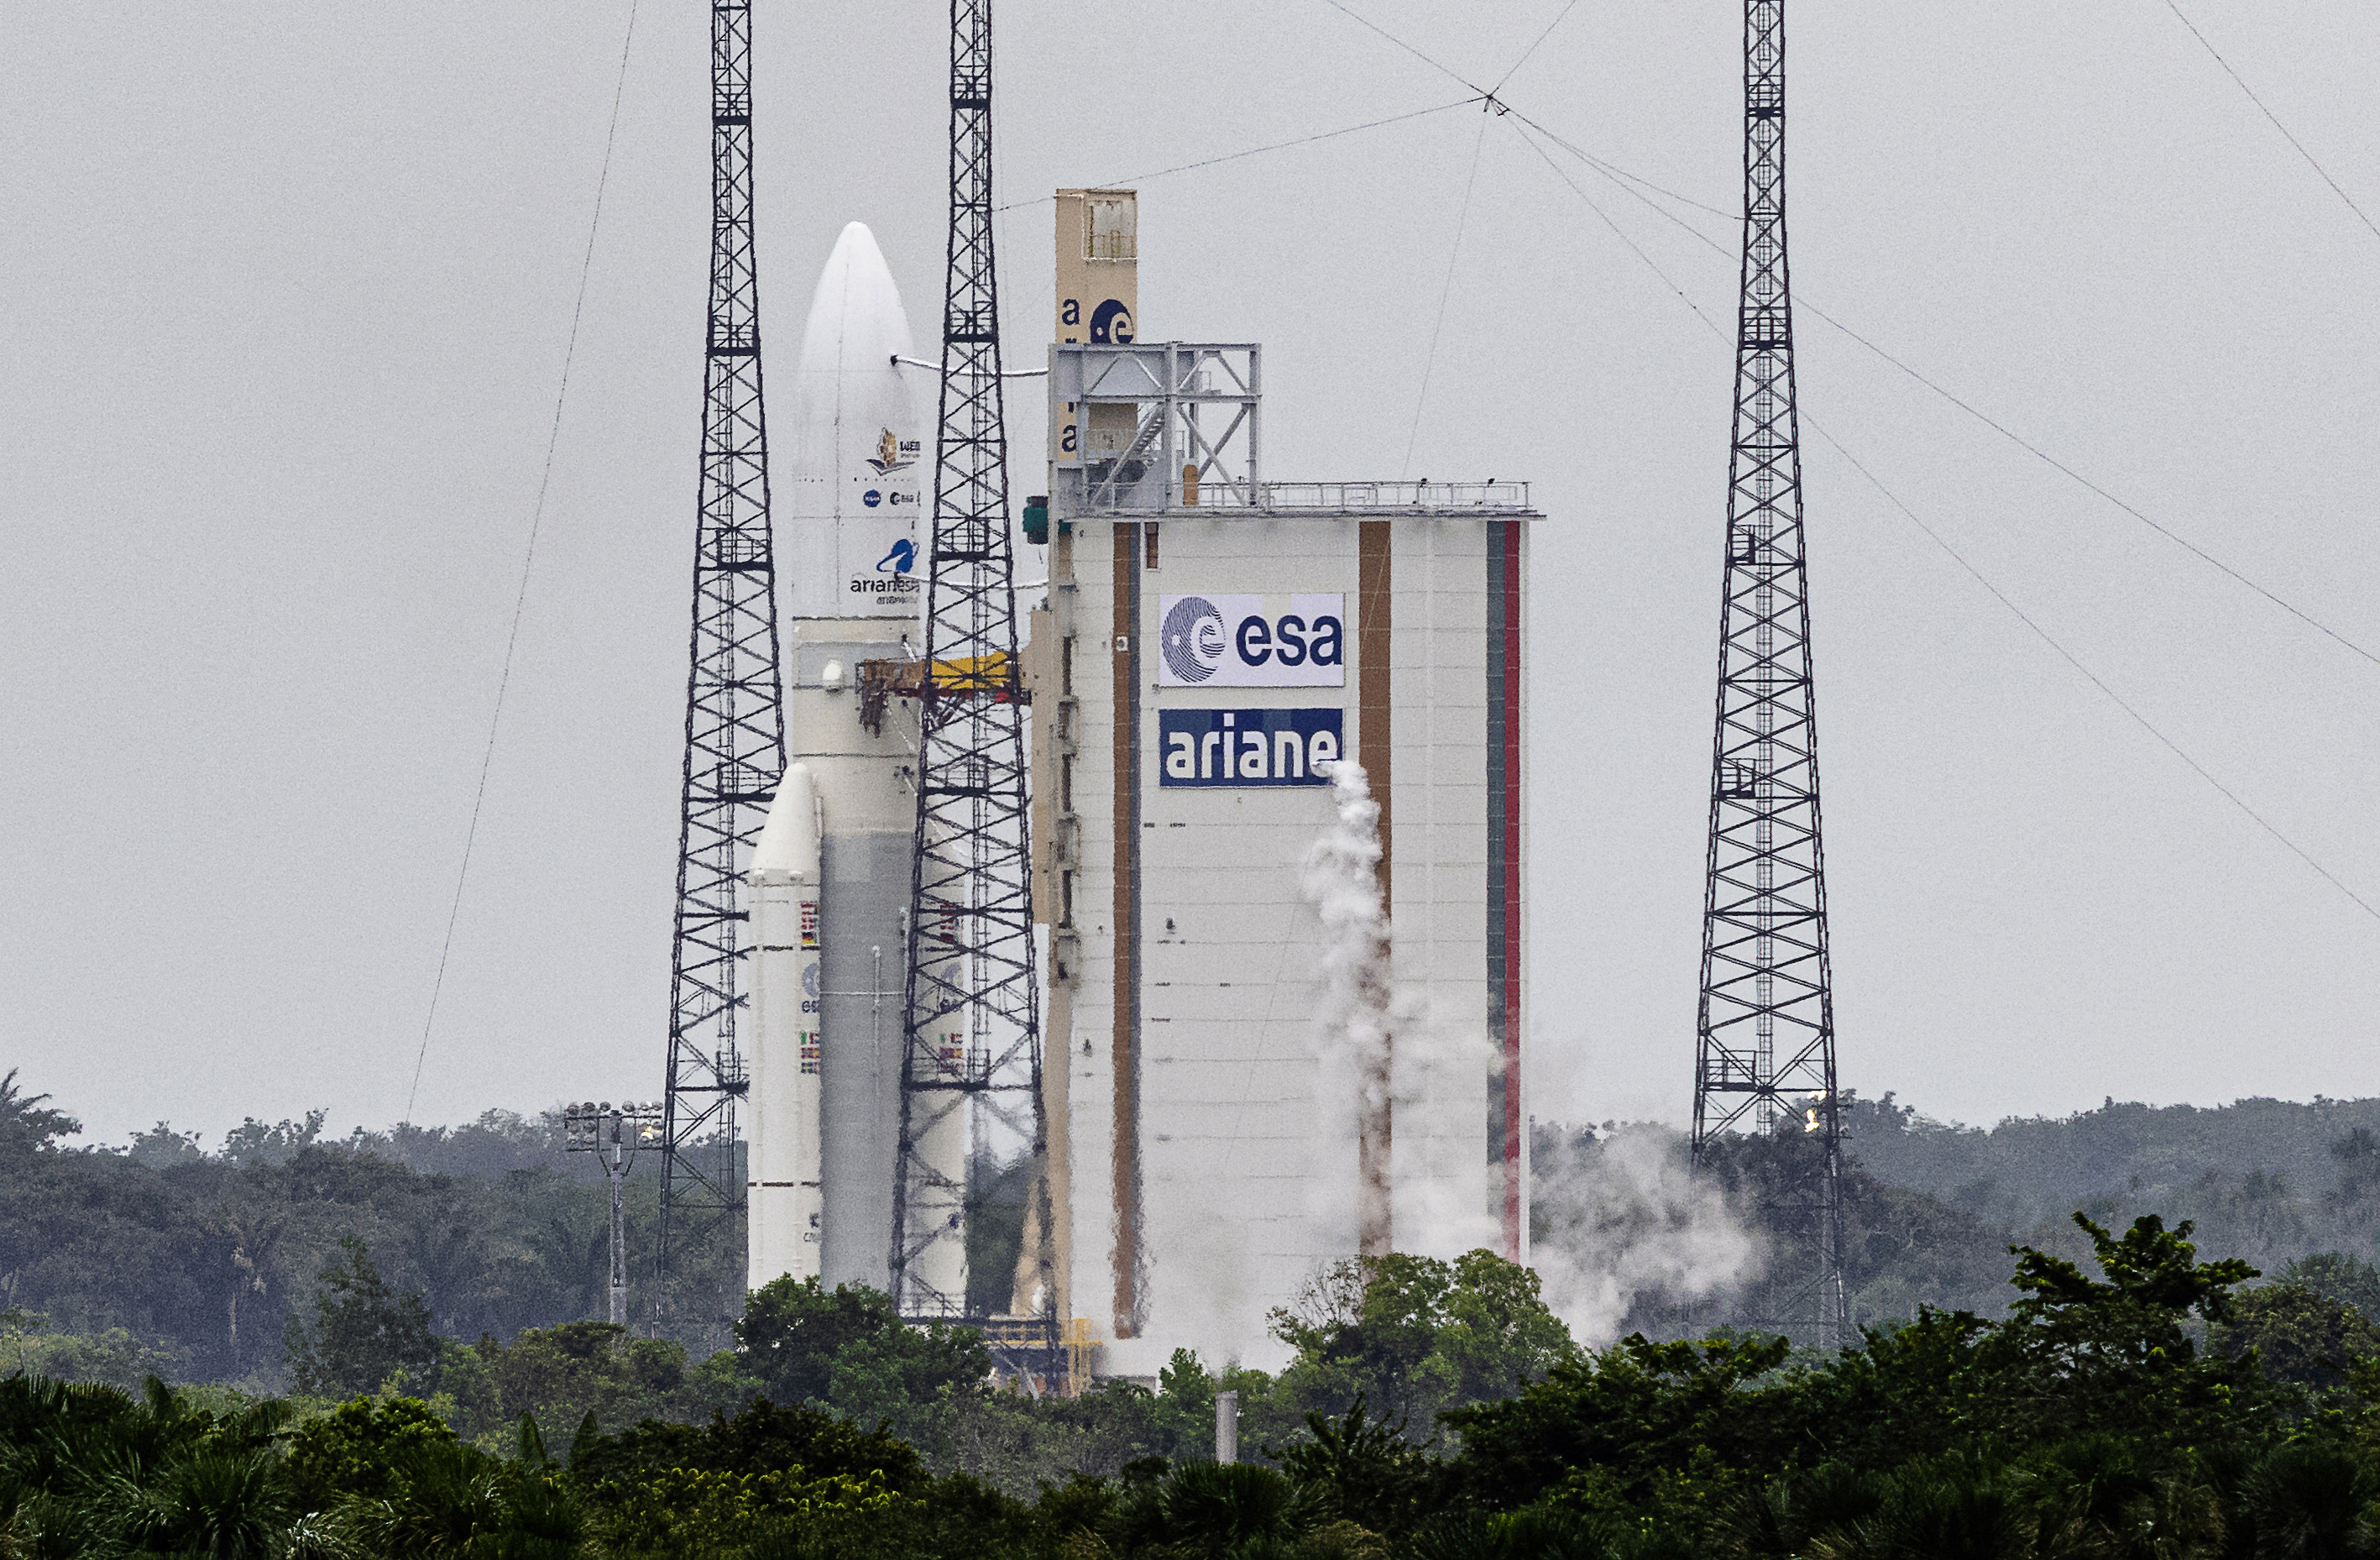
<point x="1626" y="182"/>
<point x="528" y="558"/>
<point x="1980" y="578"/>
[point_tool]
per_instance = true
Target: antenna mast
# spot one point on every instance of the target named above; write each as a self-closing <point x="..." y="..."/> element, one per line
<point x="735" y="711"/>
<point x="971" y="1021"/>
<point x="1766" y="1053"/>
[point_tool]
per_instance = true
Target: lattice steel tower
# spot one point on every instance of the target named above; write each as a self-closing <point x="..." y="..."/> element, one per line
<point x="735" y="709"/>
<point x="971" y="1020"/>
<point x="1767" y="1054"/>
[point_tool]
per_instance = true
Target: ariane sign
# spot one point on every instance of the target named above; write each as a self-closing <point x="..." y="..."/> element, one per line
<point x="1247" y="747"/>
<point x="1252" y="641"/>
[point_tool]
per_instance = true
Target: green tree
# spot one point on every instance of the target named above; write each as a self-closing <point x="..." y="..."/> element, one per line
<point x="365" y="1333"/>
<point x="916" y="1382"/>
<point x="2297" y="1336"/>
<point x="762" y="1437"/>
<point x="359" y="1449"/>
<point x="29" y="1345"/>
<point x="792" y="1330"/>
<point x="2113" y="1354"/>
<point x="560" y="1374"/>
<point x="2348" y="1280"/>
<point x="1416" y="1335"/>
<point x="26" y="1128"/>
<point x="1363" y="1470"/>
<point x="1632" y="1412"/>
<point x="220" y="1502"/>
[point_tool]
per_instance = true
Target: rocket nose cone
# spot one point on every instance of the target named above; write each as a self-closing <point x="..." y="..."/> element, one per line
<point x="856" y="320"/>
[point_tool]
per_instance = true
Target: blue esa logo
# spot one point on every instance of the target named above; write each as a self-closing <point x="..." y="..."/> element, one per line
<point x="1111" y="323"/>
<point x="1219" y="640"/>
<point x="1210" y="747"/>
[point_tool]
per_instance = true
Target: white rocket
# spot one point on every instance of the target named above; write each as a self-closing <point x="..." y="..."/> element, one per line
<point x="785" y="1198"/>
<point x="851" y="564"/>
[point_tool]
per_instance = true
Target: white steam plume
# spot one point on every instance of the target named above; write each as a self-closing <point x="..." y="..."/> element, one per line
<point x="1624" y="1218"/>
<point x="1357" y="1015"/>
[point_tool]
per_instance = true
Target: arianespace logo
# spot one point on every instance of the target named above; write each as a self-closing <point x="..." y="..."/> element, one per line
<point x="893" y="455"/>
<point x="895" y="575"/>
<point x="1252" y="641"/>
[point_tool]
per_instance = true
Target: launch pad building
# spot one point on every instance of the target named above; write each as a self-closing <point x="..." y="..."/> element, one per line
<point x="1212" y="642"/>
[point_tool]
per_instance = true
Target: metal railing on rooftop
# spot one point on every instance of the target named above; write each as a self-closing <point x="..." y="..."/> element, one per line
<point x="1393" y="495"/>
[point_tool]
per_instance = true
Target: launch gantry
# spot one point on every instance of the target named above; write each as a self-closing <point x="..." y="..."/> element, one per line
<point x="1765" y="1052"/>
<point x="735" y="711"/>
<point x="971" y="1025"/>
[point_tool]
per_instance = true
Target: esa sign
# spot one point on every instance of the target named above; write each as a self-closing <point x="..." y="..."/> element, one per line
<point x="1247" y="747"/>
<point x="1252" y="641"/>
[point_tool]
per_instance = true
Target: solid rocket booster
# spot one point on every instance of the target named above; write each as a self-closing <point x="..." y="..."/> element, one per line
<point x="849" y="522"/>
<point x="782" y="894"/>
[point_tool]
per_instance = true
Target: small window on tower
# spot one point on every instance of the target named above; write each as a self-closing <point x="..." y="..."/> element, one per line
<point x="1148" y="545"/>
<point x="1111" y="228"/>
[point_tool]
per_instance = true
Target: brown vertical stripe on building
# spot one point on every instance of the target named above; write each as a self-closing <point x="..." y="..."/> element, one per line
<point x="1504" y="814"/>
<point x="1375" y="1122"/>
<point x="1126" y="1045"/>
<point x="1374" y="618"/>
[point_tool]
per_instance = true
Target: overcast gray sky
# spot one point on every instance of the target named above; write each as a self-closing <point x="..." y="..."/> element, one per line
<point x="288" y="287"/>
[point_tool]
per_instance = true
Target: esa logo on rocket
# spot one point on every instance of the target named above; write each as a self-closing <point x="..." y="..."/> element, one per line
<point x="1252" y="641"/>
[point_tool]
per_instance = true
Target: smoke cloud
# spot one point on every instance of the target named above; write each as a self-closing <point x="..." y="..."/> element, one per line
<point x="1624" y="1219"/>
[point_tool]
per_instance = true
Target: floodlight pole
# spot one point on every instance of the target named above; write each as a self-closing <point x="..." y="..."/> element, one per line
<point x="595" y="1130"/>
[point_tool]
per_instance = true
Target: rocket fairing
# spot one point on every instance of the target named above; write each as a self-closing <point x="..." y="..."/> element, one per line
<point x="850" y="530"/>
<point x="783" y="888"/>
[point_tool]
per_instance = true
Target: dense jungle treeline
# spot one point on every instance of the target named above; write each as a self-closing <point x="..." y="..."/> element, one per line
<point x="164" y="1255"/>
<point x="1930" y="1210"/>
<point x="2145" y="1406"/>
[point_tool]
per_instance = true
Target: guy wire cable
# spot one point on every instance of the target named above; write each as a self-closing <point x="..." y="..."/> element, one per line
<point x="1997" y="593"/>
<point x="2241" y="82"/>
<point x="1253" y="150"/>
<point x="528" y="557"/>
<point x="1429" y="358"/>
<point x="1973" y="410"/>
<point x="1618" y="175"/>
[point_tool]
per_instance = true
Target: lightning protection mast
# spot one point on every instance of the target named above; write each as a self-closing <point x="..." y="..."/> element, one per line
<point x="735" y="711"/>
<point x="1766" y="1060"/>
<point x="971" y="1020"/>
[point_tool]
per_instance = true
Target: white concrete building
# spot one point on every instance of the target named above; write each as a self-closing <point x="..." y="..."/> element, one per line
<point x="1208" y="637"/>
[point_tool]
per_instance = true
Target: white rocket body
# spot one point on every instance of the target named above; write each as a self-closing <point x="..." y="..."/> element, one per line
<point x="848" y="523"/>
<point x="848" y="540"/>
<point x="782" y="896"/>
